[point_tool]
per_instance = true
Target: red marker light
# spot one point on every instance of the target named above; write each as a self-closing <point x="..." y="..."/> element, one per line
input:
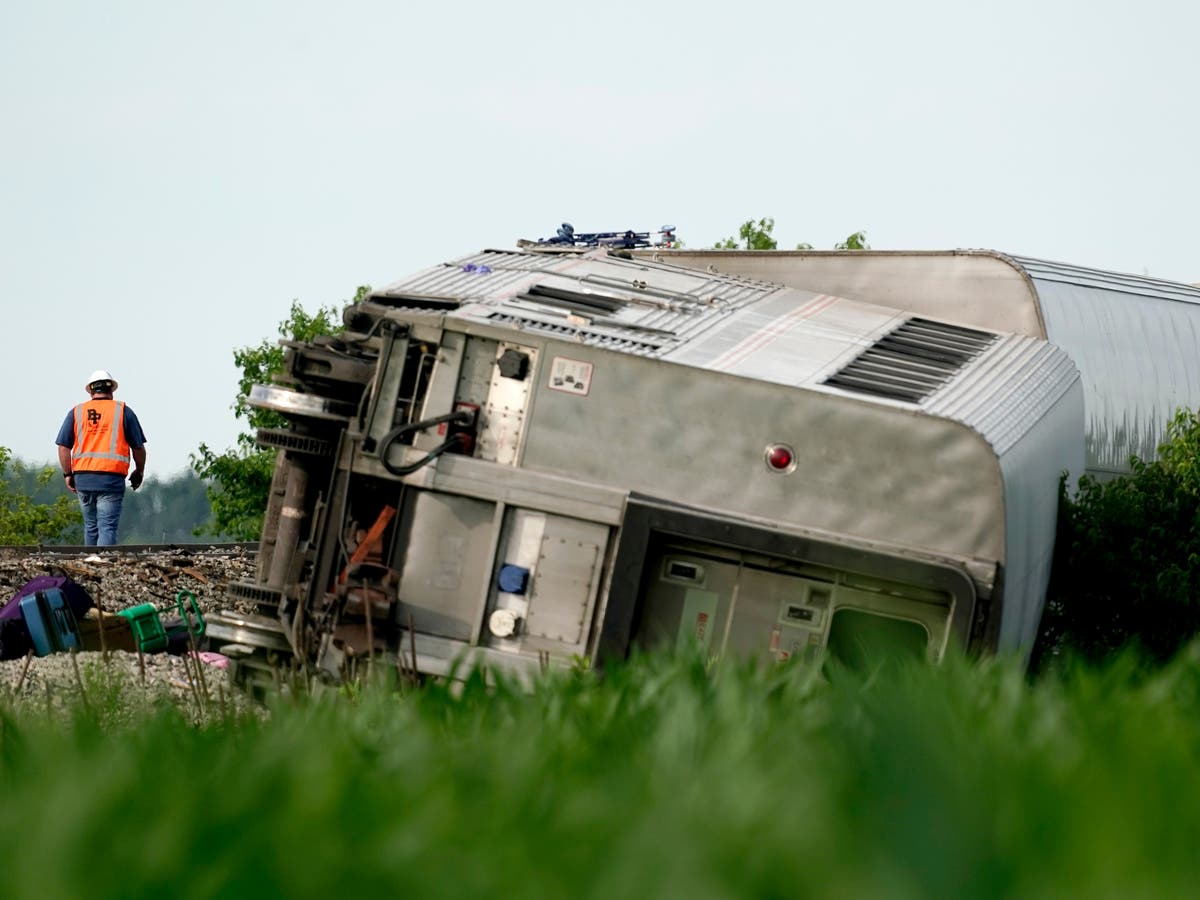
<point x="780" y="458"/>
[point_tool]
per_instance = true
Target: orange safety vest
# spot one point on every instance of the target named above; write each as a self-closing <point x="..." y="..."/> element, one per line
<point x="100" y="444"/>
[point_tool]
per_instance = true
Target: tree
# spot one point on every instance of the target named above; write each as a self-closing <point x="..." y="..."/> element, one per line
<point x="167" y="510"/>
<point x="856" y="241"/>
<point x="1127" y="558"/>
<point x="758" y="236"/>
<point x="24" y="521"/>
<point x="239" y="479"/>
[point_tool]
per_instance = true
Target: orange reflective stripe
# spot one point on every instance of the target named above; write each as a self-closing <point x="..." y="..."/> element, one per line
<point x="100" y="444"/>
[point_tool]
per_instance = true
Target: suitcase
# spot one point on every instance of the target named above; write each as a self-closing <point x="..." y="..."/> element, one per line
<point x="117" y="635"/>
<point x="51" y="623"/>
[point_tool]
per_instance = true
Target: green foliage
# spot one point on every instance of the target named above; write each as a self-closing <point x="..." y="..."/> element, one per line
<point x="239" y="483"/>
<point x="1180" y="453"/>
<point x="1127" y="566"/>
<point x="758" y="236"/>
<point x="856" y="241"/>
<point x="164" y="510"/>
<point x="239" y="479"/>
<point x="662" y="779"/>
<point x="26" y="520"/>
<point x="261" y="362"/>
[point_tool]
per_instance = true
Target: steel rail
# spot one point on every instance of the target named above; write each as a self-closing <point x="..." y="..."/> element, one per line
<point x="117" y="549"/>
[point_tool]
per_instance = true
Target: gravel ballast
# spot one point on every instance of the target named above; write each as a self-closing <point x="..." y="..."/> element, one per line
<point x="118" y="580"/>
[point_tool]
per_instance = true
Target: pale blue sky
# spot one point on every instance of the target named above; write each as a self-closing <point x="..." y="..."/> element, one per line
<point x="173" y="174"/>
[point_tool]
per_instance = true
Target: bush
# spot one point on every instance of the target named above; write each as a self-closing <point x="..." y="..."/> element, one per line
<point x="239" y="479"/>
<point x="24" y="521"/>
<point x="1127" y="567"/>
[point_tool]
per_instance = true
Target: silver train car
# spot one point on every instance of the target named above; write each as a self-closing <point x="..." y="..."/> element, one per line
<point x="522" y="458"/>
<point x="1135" y="339"/>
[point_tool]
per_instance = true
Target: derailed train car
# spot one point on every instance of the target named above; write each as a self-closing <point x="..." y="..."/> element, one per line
<point x="521" y="457"/>
<point x="1134" y="338"/>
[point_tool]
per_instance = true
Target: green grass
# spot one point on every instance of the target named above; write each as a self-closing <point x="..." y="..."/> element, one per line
<point x="663" y="780"/>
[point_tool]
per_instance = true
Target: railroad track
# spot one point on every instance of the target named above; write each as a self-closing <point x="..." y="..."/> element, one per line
<point x="10" y="551"/>
<point x="234" y="613"/>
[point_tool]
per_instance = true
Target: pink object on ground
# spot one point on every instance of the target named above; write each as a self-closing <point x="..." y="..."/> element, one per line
<point x="220" y="660"/>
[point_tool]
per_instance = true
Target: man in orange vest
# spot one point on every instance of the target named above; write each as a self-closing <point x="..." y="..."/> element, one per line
<point x="95" y="445"/>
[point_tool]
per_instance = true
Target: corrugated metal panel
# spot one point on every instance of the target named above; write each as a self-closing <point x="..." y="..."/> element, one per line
<point x="584" y="335"/>
<point x="733" y="290"/>
<point x="638" y="306"/>
<point x="610" y="305"/>
<point x="1139" y="355"/>
<point x="791" y="337"/>
<point x="453" y="283"/>
<point x="1136" y="341"/>
<point x="648" y="289"/>
<point x="1140" y="285"/>
<point x="1007" y="390"/>
<point x="472" y="277"/>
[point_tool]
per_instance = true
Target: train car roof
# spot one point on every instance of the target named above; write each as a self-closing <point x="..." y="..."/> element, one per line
<point x="997" y="383"/>
<point x="1135" y="338"/>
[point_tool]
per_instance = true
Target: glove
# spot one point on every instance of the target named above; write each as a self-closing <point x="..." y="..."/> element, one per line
<point x="135" y="479"/>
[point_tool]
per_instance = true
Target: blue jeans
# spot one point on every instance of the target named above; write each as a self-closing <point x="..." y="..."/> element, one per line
<point x="101" y="515"/>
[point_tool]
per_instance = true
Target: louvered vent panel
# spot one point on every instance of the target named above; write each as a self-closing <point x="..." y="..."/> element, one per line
<point x="913" y="361"/>
<point x="594" y="338"/>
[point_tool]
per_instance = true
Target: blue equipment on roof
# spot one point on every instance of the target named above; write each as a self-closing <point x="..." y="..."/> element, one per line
<point x="626" y="240"/>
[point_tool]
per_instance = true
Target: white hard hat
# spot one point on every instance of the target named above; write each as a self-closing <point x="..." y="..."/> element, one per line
<point x="100" y="375"/>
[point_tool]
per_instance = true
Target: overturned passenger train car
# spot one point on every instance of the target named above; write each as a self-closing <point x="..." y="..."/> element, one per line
<point x="1134" y="338"/>
<point x="518" y="457"/>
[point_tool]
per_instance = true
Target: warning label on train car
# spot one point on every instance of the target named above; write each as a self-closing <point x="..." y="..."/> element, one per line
<point x="572" y="376"/>
<point x="697" y="622"/>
